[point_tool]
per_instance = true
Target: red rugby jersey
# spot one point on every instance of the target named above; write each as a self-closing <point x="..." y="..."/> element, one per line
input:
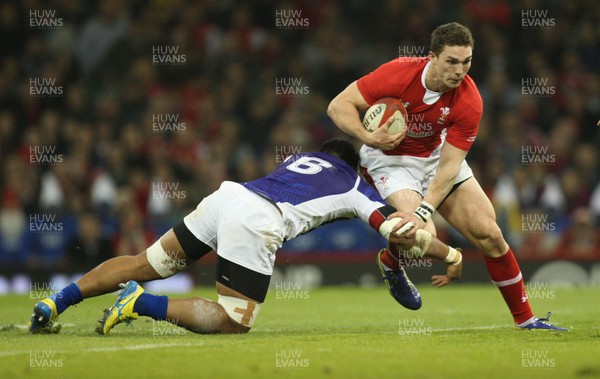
<point x="458" y="111"/>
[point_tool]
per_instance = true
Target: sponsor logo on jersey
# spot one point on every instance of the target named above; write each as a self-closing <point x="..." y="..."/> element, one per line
<point x="418" y="127"/>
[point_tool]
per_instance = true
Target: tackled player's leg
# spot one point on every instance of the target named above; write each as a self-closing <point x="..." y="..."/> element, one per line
<point x="389" y="259"/>
<point x="471" y="213"/>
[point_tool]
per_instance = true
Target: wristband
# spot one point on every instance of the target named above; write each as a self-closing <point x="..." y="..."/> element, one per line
<point x="424" y="211"/>
<point x="452" y="256"/>
<point x="459" y="259"/>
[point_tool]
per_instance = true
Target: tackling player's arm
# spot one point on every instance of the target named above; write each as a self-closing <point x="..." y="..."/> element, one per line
<point x="421" y="244"/>
<point x="385" y="220"/>
<point x="368" y="205"/>
<point x="424" y="245"/>
<point x="344" y="112"/>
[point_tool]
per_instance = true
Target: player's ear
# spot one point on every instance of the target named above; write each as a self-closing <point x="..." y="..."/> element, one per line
<point x="431" y="55"/>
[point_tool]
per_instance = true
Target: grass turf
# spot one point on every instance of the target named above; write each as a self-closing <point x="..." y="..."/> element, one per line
<point x="462" y="331"/>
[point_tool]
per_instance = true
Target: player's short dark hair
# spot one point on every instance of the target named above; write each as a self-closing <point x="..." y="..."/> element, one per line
<point x="452" y="34"/>
<point x="343" y="149"/>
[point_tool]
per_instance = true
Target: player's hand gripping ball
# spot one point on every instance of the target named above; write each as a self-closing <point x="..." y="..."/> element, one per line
<point x="377" y="115"/>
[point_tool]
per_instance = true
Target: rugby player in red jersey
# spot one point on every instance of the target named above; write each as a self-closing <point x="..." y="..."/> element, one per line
<point x="423" y="168"/>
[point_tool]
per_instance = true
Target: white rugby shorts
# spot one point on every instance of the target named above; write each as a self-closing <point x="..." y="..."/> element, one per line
<point x="240" y="225"/>
<point x="391" y="173"/>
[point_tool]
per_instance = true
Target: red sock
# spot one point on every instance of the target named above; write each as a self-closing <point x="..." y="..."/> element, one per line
<point x="388" y="259"/>
<point x="506" y="275"/>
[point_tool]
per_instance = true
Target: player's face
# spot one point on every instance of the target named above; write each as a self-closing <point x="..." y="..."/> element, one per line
<point x="451" y="66"/>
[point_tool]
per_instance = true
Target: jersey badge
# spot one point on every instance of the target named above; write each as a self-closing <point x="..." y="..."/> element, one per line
<point x="445" y="111"/>
<point x="383" y="182"/>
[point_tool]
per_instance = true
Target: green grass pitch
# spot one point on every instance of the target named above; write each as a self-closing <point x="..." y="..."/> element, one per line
<point x="462" y="331"/>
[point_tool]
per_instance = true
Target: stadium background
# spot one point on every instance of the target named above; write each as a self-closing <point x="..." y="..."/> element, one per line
<point x="117" y="117"/>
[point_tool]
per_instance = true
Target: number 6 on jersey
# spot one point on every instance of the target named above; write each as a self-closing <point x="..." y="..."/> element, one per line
<point x="308" y="165"/>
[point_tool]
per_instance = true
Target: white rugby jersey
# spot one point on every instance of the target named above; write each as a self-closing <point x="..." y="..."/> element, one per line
<point x="311" y="189"/>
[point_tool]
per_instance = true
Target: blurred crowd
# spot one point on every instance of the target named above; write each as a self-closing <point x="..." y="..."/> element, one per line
<point x="118" y="116"/>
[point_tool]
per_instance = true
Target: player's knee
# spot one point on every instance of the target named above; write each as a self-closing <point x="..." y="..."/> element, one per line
<point x="487" y="233"/>
<point x="209" y="317"/>
<point x="241" y="313"/>
<point x="165" y="264"/>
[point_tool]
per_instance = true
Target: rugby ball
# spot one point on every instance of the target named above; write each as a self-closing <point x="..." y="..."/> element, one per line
<point x="382" y="110"/>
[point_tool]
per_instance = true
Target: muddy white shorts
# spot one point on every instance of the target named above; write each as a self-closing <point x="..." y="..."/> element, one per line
<point x="240" y="225"/>
<point x="391" y="173"/>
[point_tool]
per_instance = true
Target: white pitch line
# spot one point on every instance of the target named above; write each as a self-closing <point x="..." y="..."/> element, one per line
<point x="470" y="328"/>
<point x="26" y="327"/>
<point x="11" y="353"/>
<point x="141" y="347"/>
<point x="483" y="327"/>
<point x="109" y="348"/>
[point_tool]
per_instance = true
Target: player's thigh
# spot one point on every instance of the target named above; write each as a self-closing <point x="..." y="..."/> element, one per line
<point x="241" y="291"/>
<point x="400" y="180"/>
<point x="404" y="200"/>
<point x="392" y="173"/>
<point x="250" y="231"/>
<point x="471" y="213"/>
